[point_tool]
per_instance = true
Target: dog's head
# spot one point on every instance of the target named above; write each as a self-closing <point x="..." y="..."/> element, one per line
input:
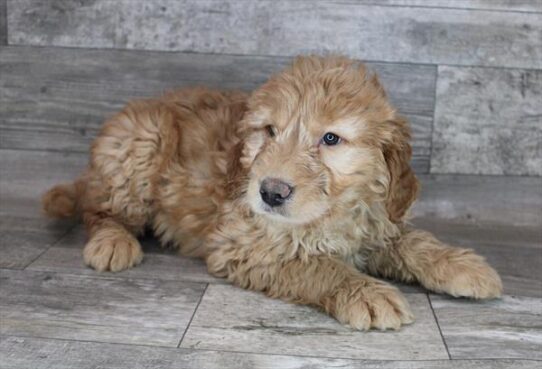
<point x="320" y="137"/>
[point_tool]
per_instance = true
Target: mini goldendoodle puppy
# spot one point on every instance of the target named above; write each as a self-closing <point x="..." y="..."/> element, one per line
<point x="299" y="191"/>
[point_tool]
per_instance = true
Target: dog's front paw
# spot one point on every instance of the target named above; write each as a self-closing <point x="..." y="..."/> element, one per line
<point x="112" y="250"/>
<point x="372" y="305"/>
<point x="468" y="275"/>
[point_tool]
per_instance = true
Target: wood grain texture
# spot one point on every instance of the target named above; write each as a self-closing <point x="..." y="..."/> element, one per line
<point x="506" y="328"/>
<point x="3" y="23"/>
<point x="515" y="252"/>
<point x="158" y="263"/>
<point x="37" y="353"/>
<point x="513" y="201"/>
<point x="137" y="311"/>
<point x="26" y="175"/>
<point x="23" y="240"/>
<point x="502" y="5"/>
<point x="229" y="318"/>
<point x="432" y="35"/>
<point x="19" y="249"/>
<point x="488" y="121"/>
<point x="72" y="91"/>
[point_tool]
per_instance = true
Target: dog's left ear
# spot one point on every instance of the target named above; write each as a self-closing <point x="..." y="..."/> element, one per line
<point x="403" y="187"/>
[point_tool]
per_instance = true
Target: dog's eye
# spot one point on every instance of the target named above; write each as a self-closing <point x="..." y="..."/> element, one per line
<point x="270" y="131"/>
<point x="331" y="139"/>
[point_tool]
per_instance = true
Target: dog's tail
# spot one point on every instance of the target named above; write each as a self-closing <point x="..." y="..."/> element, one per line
<point x="63" y="200"/>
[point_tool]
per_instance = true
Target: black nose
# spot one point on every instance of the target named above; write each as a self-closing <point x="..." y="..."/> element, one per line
<point x="274" y="191"/>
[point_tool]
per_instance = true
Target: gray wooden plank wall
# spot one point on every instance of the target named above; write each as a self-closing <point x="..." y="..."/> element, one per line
<point x="467" y="74"/>
<point x="428" y="35"/>
<point x="3" y="23"/>
<point x="71" y="91"/>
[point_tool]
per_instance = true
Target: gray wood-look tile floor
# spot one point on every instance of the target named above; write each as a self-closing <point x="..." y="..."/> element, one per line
<point x="169" y="313"/>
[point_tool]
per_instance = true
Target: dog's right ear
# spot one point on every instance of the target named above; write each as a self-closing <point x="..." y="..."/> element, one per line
<point x="252" y="131"/>
<point x="403" y="187"/>
<point x="253" y="142"/>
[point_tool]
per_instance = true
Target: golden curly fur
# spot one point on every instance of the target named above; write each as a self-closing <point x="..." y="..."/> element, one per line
<point x="191" y="165"/>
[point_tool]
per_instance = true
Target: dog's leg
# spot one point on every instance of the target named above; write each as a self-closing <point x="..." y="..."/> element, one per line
<point x="417" y="256"/>
<point x="331" y="284"/>
<point x="110" y="246"/>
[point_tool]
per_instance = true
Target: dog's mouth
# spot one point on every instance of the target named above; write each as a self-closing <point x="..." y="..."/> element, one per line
<point x="275" y="212"/>
<point x="280" y="214"/>
<point x="280" y="211"/>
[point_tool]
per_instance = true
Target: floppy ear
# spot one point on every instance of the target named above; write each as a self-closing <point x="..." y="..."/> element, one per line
<point x="253" y="142"/>
<point x="403" y="187"/>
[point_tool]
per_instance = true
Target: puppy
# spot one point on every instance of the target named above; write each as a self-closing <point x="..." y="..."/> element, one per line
<point x="299" y="191"/>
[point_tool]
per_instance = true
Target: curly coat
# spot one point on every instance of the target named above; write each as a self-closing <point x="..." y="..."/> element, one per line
<point x="190" y="164"/>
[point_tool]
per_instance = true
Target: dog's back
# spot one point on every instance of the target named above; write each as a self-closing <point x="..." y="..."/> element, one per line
<point x="159" y="162"/>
